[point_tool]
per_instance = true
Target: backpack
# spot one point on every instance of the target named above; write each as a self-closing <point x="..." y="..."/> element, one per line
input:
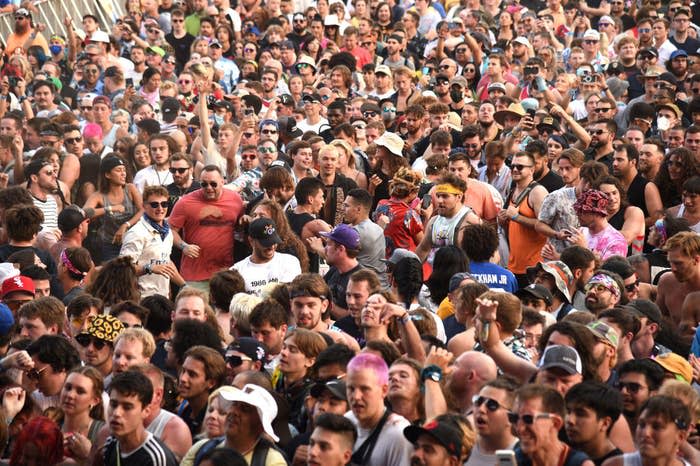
<point x="259" y="452"/>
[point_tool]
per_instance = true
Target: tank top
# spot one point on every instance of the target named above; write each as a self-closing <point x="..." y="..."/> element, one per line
<point x="157" y="425"/>
<point x="296" y="223"/>
<point x="112" y="222"/>
<point x="695" y="227"/>
<point x="525" y="243"/>
<point x="444" y="230"/>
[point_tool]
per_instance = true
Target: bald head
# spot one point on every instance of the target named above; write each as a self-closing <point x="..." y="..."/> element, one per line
<point x="471" y="370"/>
<point x="480" y="364"/>
<point x="180" y="139"/>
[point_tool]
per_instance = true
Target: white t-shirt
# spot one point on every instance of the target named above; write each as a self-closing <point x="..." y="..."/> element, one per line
<point x="391" y="447"/>
<point x="145" y="246"/>
<point x="304" y="125"/>
<point x="282" y="268"/>
<point x="149" y="176"/>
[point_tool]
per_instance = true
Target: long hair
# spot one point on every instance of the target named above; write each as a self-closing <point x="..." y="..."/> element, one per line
<point x="671" y="190"/>
<point x="115" y="282"/>
<point x="43" y="436"/>
<point x="97" y="412"/>
<point x="449" y="260"/>
<point x="289" y="239"/>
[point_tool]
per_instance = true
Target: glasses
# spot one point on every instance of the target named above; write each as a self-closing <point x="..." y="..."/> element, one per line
<point x="74" y="140"/>
<point x="162" y="204"/>
<point x="267" y="150"/>
<point x="49" y="172"/>
<point x="441" y="82"/>
<point x="84" y="340"/>
<point x="519" y="167"/>
<point x="34" y="374"/>
<point x="444" y="67"/>
<point x="389" y="110"/>
<point x="235" y="361"/>
<point x="173" y="20"/>
<point x="79" y="321"/>
<point x="590" y="42"/>
<point x="268" y="131"/>
<point x="300" y="20"/>
<point x="179" y="170"/>
<point x="644" y="30"/>
<point x="151" y="31"/>
<point x="597" y="287"/>
<point x="632" y="387"/>
<point x="597" y="132"/>
<point x="662" y="85"/>
<point x="469" y="70"/>
<point x="303" y="65"/>
<point x="207" y="184"/>
<point x="603" y="25"/>
<point x="603" y="110"/>
<point x="491" y="404"/>
<point x="86" y="109"/>
<point x="369" y="114"/>
<point x="528" y="419"/>
<point x="249" y="156"/>
<point x="632" y="286"/>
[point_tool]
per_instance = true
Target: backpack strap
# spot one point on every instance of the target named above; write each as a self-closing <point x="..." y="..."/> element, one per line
<point x="261" y="450"/>
<point x="362" y="454"/>
<point x="208" y="446"/>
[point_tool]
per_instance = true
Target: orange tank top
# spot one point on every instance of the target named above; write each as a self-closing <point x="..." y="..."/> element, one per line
<point x="525" y="243"/>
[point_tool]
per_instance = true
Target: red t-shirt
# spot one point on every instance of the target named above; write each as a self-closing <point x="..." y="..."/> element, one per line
<point x="209" y="225"/>
<point x="404" y="224"/>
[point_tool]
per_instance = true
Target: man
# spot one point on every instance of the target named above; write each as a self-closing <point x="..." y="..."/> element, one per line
<point x="591" y="410"/>
<point x="191" y="303"/>
<point x="520" y="216"/>
<point x="596" y="233"/>
<point x="582" y="263"/>
<point x="133" y="346"/>
<point x="360" y="286"/>
<point x="202" y="371"/>
<point x="130" y="395"/>
<point x="41" y="183"/>
<point x="638" y="380"/>
<point x="181" y="169"/>
<point x="149" y="243"/>
<point x="268" y="324"/>
<point x="266" y="265"/>
<point x="45" y="107"/>
<point x="384" y="84"/>
<point x="206" y="218"/>
<point x="97" y="342"/>
<point x="179" y="38"/>
<point x="470" y="373"/>
<point x="227" y="67"/>
<point x="310" y="196"/>
<point x="357" y="207"/>
<point x="480" y="243"/>
<point x="53" y="357"/>
<point x="331" y="441"/>
<point x="44" y="316"/>
<point x="650" y="320"/>
<point x="603" y="291"/>
<point x="452" y="217"/>
<point x="157" y="174"/>
<point x="650" y="158"/>
<point x="15" y="291"/>
<point x="341" y="250"/>
<point x="244" y="354"/>
<point x="542" y="173"/>
<point x="600" y="148"/>
<point x="556" y="277"/>
<point x="337" y="186"/>
<point x="681" y="37"/>
<point x="313" y="120"/>
<point x="683" y="251"/>
<point x="538" y="415"/>
<point x="24" y="35"/>
<point x="435" y="443"/>
<point x="248" y="427"/>
<point x="367" y="386"/>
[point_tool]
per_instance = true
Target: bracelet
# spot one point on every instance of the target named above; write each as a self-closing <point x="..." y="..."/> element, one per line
<point x="515" y="217"/>
<point x="182" y="245"/>
<point x="431" y="372"/>
<point x="128" y="225"/>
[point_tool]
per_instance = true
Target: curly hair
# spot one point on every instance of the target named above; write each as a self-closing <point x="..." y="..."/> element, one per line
<point x="23" y="222"/>
<point x="583" y="341"/>
<point x="408" y="279"/>
<point x="404" y="183"/>
<point x="671" y="190"/>
<point x="290" y="241"/>
<point x="116" y="282"/>
<point x="479" y="242"/>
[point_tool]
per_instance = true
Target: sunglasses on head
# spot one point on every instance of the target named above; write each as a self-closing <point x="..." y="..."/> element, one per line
<point x="207" y="184"/>
<point x="179" y="170"/>
<point x="162" y="204"/>
<point x="84" y="340"/>
<point x="491" y="404"/>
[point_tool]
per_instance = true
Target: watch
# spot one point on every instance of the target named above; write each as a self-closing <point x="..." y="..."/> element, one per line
<point x="431" y="372"/>
<point x="148" y="268"/>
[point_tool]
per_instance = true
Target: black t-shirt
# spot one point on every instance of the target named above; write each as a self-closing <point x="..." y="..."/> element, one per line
<point x="635" y="193"/>
<point x="690" y="45"/>
<point x="551" y="181"/>
<point x="181" y="46"/>
<point x="152" y="453"/>
<point x="338" y="282"/>
<point x="347" y="324"/>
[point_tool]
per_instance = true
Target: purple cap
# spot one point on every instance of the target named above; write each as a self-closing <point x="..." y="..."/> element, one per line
<point x="344" y="234"/>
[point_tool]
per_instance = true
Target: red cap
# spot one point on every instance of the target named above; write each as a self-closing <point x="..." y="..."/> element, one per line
<point x="18" y="283"/>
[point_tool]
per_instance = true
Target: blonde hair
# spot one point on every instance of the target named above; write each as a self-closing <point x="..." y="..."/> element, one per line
<point x="684" y="393"/>
<point x="340" y="144"/>
<point x="139" y="334"/>
<point x="241" y="306"/>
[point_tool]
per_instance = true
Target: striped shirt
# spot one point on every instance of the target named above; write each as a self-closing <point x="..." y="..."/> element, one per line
<point x="50" y="209"/>
<point x="152" y="452"/>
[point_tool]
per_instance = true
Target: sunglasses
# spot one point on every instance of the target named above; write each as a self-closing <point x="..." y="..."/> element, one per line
<point x="528" y="419"/>
<point x="179" y="170"/>
<point x="173" y="20"/>
<point x="603" y="110"/>
<point x="79" y="321"/>
<point x="597" y="287"/>
<point x="267" y="150"/>
<point x="235" y="361"/>
<point x="162" y="204"/>
<point x="644" y="30"/>
<point x="85" y="340"/>
<point x="34" y="374"/>
<point x="491" y="404"/>
<point x="444" y="67"/>
<point x="632" y="387"/>
<point x="597" y="132"/>
<point x="73" y="140"/>
<point x="91" y="71"/>
<point x="207" y="184"/>
<point x="441" y="82"/>
<point x="268" y="131"/>
<point x="249" y="50"/>
<point x="86" y="109"/>
<point x="249" y="156"/>
<point x="632" y="286"/>
<point x="519" y="167"/>
<point x="369" y="114"/>
<point x="590" y="42"/>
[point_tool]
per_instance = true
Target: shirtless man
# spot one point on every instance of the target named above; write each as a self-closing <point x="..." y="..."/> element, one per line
<point x="684" y="256"/>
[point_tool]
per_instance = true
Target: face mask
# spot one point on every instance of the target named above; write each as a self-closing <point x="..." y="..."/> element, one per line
<point x="218" y="120"/>
<point x="663" y="123"/>
<point x="456" y="96"/>
<point x="55" y="49"/>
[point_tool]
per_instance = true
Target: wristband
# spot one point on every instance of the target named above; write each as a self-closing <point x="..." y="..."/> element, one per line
<point x="431" y="372"/>
<point x="183" y="245"/>
<point x="404" y="318"/>
<point x="515" y="217"/>
<point x="148" y="268"/>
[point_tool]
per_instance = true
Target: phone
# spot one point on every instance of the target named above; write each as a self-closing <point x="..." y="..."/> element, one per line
<point x="530" y="112"/>
<point x="425" y="202"/>
<point x="248" y="111"/>
<point x="506" y="458"/>
<point x="129" y="82"/>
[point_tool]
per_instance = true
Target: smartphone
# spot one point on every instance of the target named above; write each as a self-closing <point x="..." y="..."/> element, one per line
<point x="129" y="82"/>
<point x="506" y="458"/>
<point x="248" y="111"/>
<point x="530" y="112"/>
<point x="425" y="202"/>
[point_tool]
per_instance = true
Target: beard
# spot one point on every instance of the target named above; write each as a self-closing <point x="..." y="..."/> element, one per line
<point x="21" y="29"/>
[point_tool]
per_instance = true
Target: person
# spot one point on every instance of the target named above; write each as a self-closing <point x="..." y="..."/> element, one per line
<point x="683" y="251"/>
<point x="265" y="265"/>
<point x="42" y="316"/>
<point x="149" y="244"/>
<point x="341" y="251"/>
<point x="207" y="246"/>
<point x="303" y="219"/>
<point x="81" y="403"/>
<point x="331" y="441"/>
<point x="130" y="395"/>
<point x="596" y="233"/>
<point x="40" y="442"/>
<point x="436" y="442"/>
<point x="367" y="385"/>
<point x="268" y="325"/>
<point x="96" y="343"/>
<point x="480" y="242"/>
<point x="638" y="380"/>
<point x="357" y="207"/>
<point x="53" y="357"/>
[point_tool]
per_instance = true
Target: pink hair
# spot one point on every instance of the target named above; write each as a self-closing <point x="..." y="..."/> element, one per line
<point x="43" y="435"/>
<point x="92" y="130"/>
<point x="373" y="362"/>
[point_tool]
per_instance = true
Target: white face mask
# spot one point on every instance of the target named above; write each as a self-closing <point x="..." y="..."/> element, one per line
<point x="663" y="123"/>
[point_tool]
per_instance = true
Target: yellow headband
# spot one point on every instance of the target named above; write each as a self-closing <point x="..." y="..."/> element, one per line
<point x="447" y="188"/>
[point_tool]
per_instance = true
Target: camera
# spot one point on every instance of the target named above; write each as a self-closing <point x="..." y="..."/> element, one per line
<point x="588" y="79"/>
<point x="529" y="70"/>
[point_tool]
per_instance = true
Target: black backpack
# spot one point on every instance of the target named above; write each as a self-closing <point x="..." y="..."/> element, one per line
<point x="259" y="453"/>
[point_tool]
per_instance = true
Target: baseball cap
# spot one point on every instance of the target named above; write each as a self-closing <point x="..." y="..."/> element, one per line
<point x="22" y="12"/>
<point x="289" y="126"/>
<point x="7" y="321"/>
<point x="561" y="357"/>
<point x="224" y="104"/>
<point x="312" y="97"/>
<point x="458" y="278"/>
<point x="335" y="386"/>
<point x="649" y="51"/>
<point x="101" y="99"/>
<point x="495" y="86"/>
<point x="17" y="283"/>
<point x="559" y="271"/>
<point x="398" y="254"/>
<point x="170" y="107"/>
<point x="261" y="399"/>
<point x="646" y="308"/>
<point x="105" y="327"/>
<point x="522" y="40"/>
<point x="604" y="332"/>
<point x="536" y="290"/>
<point x="382" y="69"/>
<point x="100" y="36"/>
<point x="344" y="234"/>
<point x="70" y="218"/>
<point x="265" y="231"/>
<point x="459" y="80"/>
<point x="669" y="78"/>
<point x="591" y="34"/>
<point x="109" y="163"/>
<point x="215" y="43"/>
<point x="250" y="347"/>
<point x="287" y="100"/>
<point x="440" y="431"/>
<point x="88" y="99"/>
<point x="677" y="365"/>
<point x="678" y="53"/>
<point x="154" y="49"/>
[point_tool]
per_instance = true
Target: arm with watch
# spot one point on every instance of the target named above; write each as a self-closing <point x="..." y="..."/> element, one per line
<point x="410" y="338"/>
<point x="434" y="370"/>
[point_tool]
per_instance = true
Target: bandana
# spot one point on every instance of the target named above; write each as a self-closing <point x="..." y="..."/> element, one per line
<point x="607" y="281"/>
<point x="592" y="201"/>
<point x="447" y="188"/>
<point x="163" y="229"/>
<point x="69" y="265"/>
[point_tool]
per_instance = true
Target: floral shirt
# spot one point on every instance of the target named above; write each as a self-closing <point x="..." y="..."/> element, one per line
<point x="557" y="211"/>
<point x="404" y="224"/>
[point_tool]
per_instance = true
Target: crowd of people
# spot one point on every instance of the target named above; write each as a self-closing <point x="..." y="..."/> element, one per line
<point x="296" y="232"/>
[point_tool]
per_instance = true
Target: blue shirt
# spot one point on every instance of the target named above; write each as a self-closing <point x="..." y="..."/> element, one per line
<point x="494" y="276"/>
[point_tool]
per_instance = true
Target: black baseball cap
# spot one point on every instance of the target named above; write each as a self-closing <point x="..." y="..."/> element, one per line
<point x="265" y="231"/>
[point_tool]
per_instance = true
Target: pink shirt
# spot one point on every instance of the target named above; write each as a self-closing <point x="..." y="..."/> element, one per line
<point x="607" y="243"/>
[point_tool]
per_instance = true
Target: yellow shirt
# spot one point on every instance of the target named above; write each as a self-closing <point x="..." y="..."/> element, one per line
<point x="446" y="308"/>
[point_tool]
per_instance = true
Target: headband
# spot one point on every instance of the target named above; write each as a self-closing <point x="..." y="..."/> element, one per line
<point x="607" y="281"/>
<point x="447" y="188"/>
<point x="69" y="265"/>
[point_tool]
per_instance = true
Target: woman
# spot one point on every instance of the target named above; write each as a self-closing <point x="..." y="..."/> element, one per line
<point x="625" y="218"/>
<point x="389" y="159"/>
<point x="36" y="57"/>
<point x="399" y="215"/>
<point x="361" y="12"/>
<point x="115" y="282"/>
<point x="464" y="311"/>
<point x="346" y="163"/>
<point x="405" y="394"/>
<point x="677" y="167"/>
<point x="139" y="157"/>
<point x="312" y="48"/>
<point x="39" y="443"/>
<point x="215" y="417"/>
<point x="83" y="413"/>
<point x="296" y="87"/>
<point x="224" y="35"/>
<point x="472" y="74"/>
<point x="201" y="47"/>
<point x="384" y="20"/>
<point x="291" y="244"/>
<point x="299" y="351"/>
<point x="122" y="119"/>
<point x="505" y="27"/>
<point x="448" y="261"/>
<point x="150" y="86"/>
<point x="555" y="146"/>
<point x="117" y="204"/>
<point x="250" y="51"/>
<point x="81" y="312"/>
<point x="690" y="208"/>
